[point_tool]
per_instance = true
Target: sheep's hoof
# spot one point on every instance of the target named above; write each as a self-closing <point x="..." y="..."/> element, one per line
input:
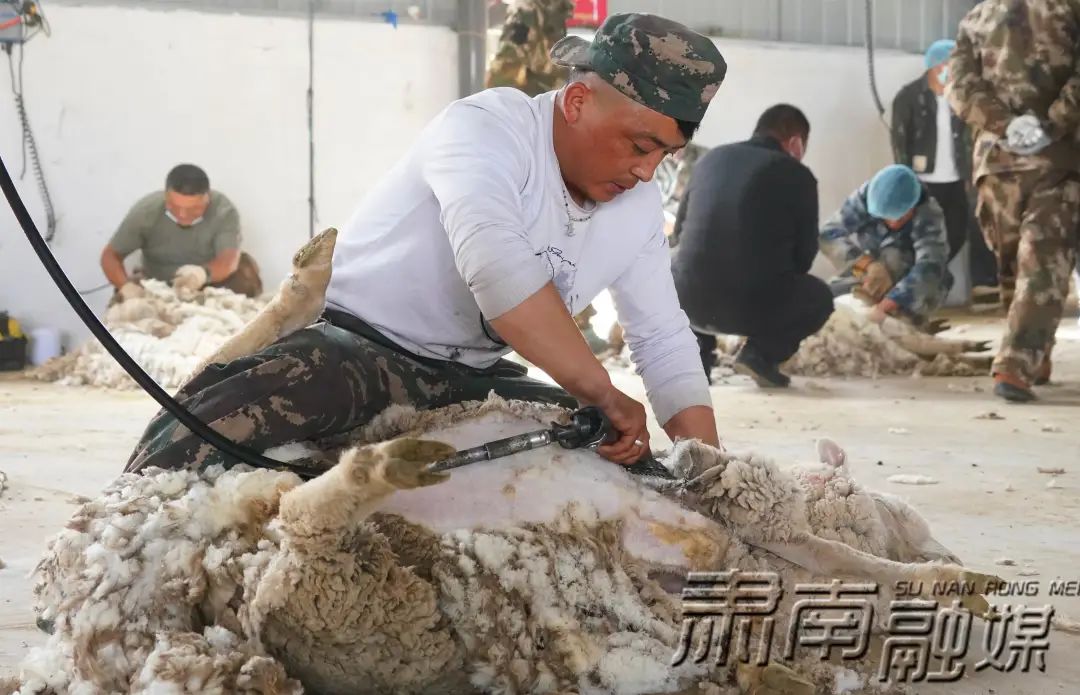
<point x="405" y="475"/>
<point x="319" y="245"/>
<point x="408" y="460"/>
<point x="773" y="679"/>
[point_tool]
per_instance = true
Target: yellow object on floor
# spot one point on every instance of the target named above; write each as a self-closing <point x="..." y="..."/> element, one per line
<point x="9" y="328"/>
<point x="12" y="344"/>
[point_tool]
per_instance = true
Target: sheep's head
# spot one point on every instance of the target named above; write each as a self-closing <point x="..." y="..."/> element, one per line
<point x="908" y="534"/>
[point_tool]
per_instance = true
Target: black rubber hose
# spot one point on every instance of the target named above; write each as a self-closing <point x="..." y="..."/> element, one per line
<point x="144" y="380"/>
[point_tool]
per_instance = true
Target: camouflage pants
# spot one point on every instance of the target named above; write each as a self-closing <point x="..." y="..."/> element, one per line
<point x="319" y="382"/>
<point x="1030" y="220"/>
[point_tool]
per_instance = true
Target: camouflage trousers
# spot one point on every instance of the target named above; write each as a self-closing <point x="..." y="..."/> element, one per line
<point x="1030" y="220"/>
<point x="319" y="382"/>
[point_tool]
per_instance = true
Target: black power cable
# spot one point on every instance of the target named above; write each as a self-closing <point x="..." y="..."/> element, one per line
<point x="29" y="143"/>
<point x="41" y="248"/>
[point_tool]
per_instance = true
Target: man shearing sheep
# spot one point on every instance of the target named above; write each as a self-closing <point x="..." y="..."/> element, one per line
<point x="189" y="236"/>
<point x="506" y="217"/>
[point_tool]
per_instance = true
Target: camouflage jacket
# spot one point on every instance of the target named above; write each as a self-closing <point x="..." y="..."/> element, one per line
<point x="1016" y="57"/>
<point x="532" y="27"/>
<point x="852" y="231"/>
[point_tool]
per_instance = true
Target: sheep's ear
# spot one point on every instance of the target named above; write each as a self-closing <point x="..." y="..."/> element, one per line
<point x="830" y="452"/>
<point x="416" y="450"/>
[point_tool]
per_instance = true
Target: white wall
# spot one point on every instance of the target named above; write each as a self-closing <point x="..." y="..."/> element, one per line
<point x="117" y="95"/>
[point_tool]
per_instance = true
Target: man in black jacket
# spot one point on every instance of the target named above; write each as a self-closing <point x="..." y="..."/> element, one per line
<point x="747" y="235"/>
<point x="920" y="114"/>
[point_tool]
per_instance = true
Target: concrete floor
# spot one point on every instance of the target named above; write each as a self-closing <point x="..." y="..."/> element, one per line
<point x="991" y="502"/>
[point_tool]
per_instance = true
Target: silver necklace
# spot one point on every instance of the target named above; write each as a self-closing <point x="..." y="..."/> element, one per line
<point x="570" y="219"/>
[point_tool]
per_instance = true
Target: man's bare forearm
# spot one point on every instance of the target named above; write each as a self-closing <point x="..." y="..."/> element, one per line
<point x="223" y="265"/>
<point x="541" y="331"/>
<point x="113" y="267"/>
<point x="695" y="422"/>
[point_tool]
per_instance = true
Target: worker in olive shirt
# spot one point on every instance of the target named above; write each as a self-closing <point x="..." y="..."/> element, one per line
<point x="747" y="232"/>
<point x="189" y="236"/>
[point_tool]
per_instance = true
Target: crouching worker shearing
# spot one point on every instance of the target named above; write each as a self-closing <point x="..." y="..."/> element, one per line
<point x="888" y="241"/>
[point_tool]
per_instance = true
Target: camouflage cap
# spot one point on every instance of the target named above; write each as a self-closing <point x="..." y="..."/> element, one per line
<point x="656" y="62"/>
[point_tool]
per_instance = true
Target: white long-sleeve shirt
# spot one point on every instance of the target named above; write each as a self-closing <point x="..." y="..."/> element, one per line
<point x="475" y="219"/>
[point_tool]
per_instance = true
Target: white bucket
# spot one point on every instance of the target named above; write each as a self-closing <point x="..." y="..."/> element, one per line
<point x="45" y="344"/>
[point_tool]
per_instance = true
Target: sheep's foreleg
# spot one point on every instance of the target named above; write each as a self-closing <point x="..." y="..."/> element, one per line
<point x="834" y="559"/>
<point x="929" y="346"/>
<point x="298" y="303"/>
<point x="350" y="491"/>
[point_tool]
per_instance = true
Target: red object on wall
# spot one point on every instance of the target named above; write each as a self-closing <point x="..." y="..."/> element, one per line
<point x="588" y="13"/>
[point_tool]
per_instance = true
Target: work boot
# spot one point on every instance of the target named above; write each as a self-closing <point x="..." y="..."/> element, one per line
<point x="1012" y="388"/>
<point x="764" y="373"/>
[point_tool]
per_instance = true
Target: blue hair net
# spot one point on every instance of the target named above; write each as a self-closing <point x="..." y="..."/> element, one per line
<point x="939" y="52"/>
<point x="893" y="192"/>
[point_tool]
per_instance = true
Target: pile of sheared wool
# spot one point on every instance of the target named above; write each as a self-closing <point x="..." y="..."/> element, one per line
<point x="849" y="344"/>
<point x="154" y="588"/>
<point x="167" y="336"/>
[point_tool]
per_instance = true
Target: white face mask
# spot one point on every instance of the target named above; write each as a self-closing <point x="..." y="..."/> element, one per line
<point x="197" y="220"/>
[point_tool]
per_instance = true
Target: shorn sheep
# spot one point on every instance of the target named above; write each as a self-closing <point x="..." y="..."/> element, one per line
<point x="849" y="344"/>
<point x="544" y="572"/>
<point x="550" y="571"/>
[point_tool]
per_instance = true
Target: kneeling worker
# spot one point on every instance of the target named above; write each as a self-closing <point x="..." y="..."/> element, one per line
<point x="747" y="235"/>
<point x="189" y="236"/>
<point x="889" y="242"/>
